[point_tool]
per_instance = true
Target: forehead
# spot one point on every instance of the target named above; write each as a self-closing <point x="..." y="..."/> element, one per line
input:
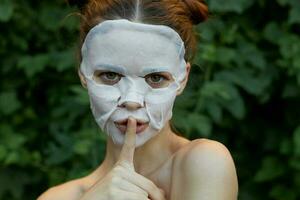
<point x="133" y="48"/>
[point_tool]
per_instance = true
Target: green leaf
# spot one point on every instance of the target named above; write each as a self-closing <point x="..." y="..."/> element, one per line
<point x="229" y="5"/>
<point x="251" y="55"/>
<point x="289" y="46"/>
<point x="13" y="182"/>
<point x="273" y="32"/>
<point x="51" y="17"/>
<point x="271" y="169"/>
<point x="280" y="192"/>
<point x="235" y="106"/>
<point x="72" y="21"/>
<point x="208" y="52"/>
<point x="296" y="140"/>
<point x="290" y="90"/>
<point x="33" y="64"/>
<point x="225" y="55"/>
<point x="286" y="146"/>
<point x="9" y="102"/>
<point x="12" y="158"/>
<point x="82" y="147"/>
<point x="294" y="14"/>
<point x="6" y="10"/>
<point x="246" y="79"/>
<point x="81" y="94"/>
<point x="294" y="162"/>
<point x="179" y="122"/>
<point x="283" y="2"/>
<point x="214" y="110"/>
<point x="3" y="152"/>
<point x="10" y="139"/>
<point x="226" y="95"/>
<point x="63" y="60"/>
<point x="215" y="89"/>
<point x="199" y="123"/>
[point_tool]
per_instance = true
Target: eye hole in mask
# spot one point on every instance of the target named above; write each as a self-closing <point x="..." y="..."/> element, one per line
<point x="159" y="79"/>
<point x="155" y="80"/>
<point x="107" y="77"/>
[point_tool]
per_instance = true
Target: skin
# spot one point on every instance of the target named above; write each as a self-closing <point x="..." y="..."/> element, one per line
<point x="167" y="167"/>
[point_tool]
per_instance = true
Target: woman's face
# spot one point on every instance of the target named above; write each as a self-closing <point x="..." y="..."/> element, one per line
<point x="130" y="63"/>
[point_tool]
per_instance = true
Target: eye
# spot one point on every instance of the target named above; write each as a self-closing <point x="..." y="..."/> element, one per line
<point x="107" y="77"/>
<point x="158" y="80"/>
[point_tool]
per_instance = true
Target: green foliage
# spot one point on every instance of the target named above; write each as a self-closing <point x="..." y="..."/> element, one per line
<point x="244" y="91"/>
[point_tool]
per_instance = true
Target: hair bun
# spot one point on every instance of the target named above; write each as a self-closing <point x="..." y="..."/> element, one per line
<point x="198" y="10"/>
<point x="79" y="3"/>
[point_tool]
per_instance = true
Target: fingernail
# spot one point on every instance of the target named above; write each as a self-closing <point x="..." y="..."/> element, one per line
<point x="129" y="119"/>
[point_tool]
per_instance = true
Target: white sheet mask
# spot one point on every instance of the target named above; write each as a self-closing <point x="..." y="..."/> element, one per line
<point x="133" y="50"/>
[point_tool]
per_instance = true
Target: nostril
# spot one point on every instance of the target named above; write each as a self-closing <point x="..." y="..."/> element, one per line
<point x="121" y="106"/>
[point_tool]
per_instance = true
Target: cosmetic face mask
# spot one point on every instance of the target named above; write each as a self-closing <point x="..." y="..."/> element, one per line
<point x="133" y="50"/>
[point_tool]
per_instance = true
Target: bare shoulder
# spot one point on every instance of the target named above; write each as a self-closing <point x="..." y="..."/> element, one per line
<point x="204" y="150"/>
<point x="204" y="153"/>
<point x="66" y="191"/>
<point x="205" y="166"/>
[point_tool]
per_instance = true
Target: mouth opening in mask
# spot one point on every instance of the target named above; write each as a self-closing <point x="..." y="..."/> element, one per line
<point x="141" y="125"/>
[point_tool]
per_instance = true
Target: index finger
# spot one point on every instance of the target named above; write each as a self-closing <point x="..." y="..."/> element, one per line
<point x="127" y="151"/>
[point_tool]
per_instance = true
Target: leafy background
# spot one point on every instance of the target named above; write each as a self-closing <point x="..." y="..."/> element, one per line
<point x="244" y="91"/>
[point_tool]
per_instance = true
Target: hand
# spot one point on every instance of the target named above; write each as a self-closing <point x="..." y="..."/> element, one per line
<point x="122" y="182"/>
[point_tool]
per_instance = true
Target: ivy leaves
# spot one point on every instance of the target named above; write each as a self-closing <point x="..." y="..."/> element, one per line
<point x="6" y="10"/>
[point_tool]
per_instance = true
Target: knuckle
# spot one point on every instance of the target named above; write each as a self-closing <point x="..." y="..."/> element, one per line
<point x="143" y="192"/>
<point x="118" y="169"/>
<point x="115" y="180"/>
<point x="162" y="192"/>
<point x="112" y="193"/>
<point x="124" y="165"/>
<point x="141" y="197"/>
<point x="152" y="188"/>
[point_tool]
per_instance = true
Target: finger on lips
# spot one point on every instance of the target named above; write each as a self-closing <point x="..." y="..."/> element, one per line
<point x="127" y="151"/>
<point x="142" y="184"/>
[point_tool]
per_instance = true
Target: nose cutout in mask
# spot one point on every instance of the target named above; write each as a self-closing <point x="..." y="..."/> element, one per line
<point x="131" y="90"/>
<point x="137" y="47"/>
<point x="133" y="97"/>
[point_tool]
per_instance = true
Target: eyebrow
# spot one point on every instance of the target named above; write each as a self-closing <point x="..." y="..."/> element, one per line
<point x="110" y="67"/>
<point x="149" y="70"/>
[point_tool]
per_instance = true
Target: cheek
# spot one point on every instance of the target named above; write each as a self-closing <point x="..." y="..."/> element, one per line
<point x="162" y="95"/>
<point x="103" y="101"/>
<point x="159" y="105"/>
<point x="103" y="97"/>
<point x="102" y="91"/>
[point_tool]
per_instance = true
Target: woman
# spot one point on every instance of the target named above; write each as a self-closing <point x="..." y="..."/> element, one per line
<point x="133" y="65"/>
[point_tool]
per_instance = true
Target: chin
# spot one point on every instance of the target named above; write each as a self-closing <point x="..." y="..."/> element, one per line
<point x="118" y="137"/>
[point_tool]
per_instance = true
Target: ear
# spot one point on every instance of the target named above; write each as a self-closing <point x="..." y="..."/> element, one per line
<point x="185" y="80"/>
<point x="82" y="79"/>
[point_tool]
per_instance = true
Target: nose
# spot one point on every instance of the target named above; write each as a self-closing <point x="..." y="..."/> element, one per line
<point x="130" y="105"/>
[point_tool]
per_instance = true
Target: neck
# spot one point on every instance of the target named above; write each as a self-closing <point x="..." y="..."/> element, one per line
<point x="148" y="157"/>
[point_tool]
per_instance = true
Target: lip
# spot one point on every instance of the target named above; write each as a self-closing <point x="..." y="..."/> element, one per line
<point x="122" y="125"/>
